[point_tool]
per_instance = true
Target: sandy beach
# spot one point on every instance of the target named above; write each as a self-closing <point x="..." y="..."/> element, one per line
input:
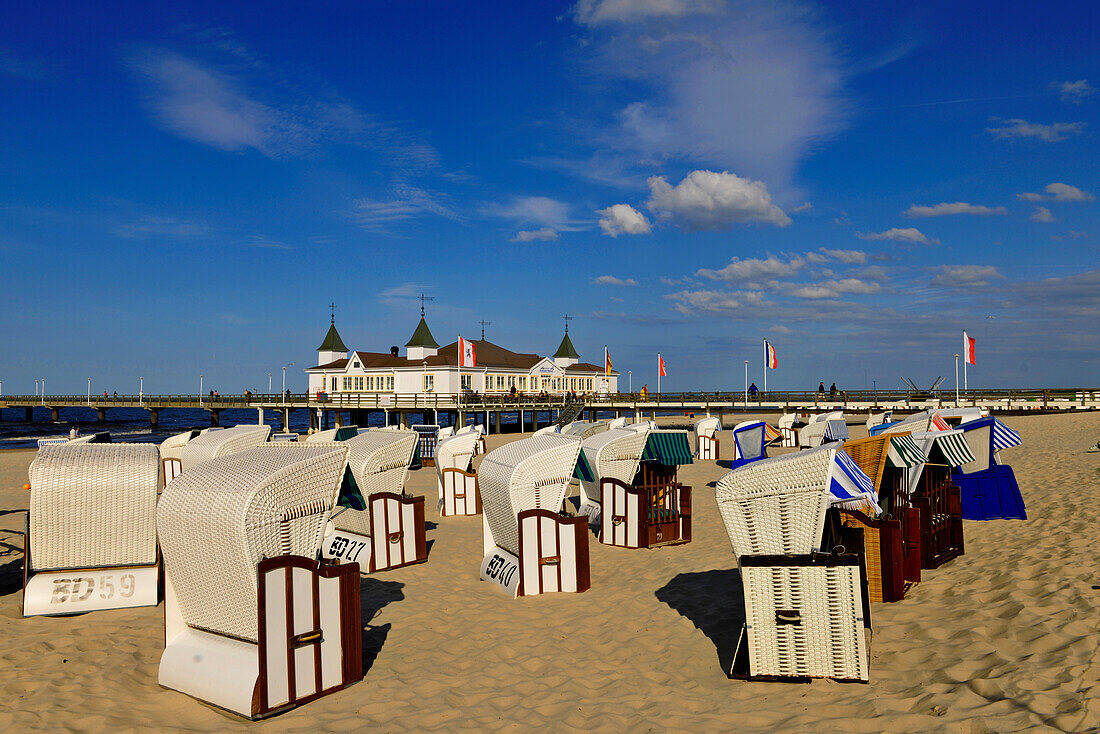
<point x="1004" y="638"/>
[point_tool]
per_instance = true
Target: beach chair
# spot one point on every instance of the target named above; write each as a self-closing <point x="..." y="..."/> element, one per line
<point x="428" y="436"/>
<point x="987" y="486"/>
<point x="584" y="429"/>
<point x="456" y="479"/>
<point x="706" y="438"/>
<point x="255" y="623"/>
<point x="788" y="425"/>
<point x="750" y="442"/>
<point x="933" y="492"/>
<point x="822" y="429"/>
<point x="222" y="442"/>
<point x="91" y="539"/>
<point x="479" y="447"/>
<point x="530" y="548"/>
<point x="343" y="433"/>
<point x="891" y="542"/>
<point x="171" y="454"/>
<point x="286" y="438"/>
<point x="377" y="524"/>
<point x="650" y="507"/>
<point x="806" y="612"/>
<point x="619" y="422"/>
<point x="612" y="455"/>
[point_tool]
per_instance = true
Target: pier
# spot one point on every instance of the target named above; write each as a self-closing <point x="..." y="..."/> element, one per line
<point x="538" y="410"/>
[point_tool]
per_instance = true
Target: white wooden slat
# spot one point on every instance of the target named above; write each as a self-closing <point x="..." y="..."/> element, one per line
<point x="278" y="682"/>
<point x="332" y="670"/>
<point x="305" y="666"/>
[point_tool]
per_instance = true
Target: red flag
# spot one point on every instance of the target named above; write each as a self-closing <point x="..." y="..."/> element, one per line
<point x="661" y="366"/>
<point x="968" y="349"/>
<point x="773" y="358"/>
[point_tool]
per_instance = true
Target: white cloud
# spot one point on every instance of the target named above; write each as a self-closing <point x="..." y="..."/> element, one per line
<point x="833" y="288"/>
<point x="1058" y="192"/>
<point x="1073" y="91"/>
<point x="753" y="86"/>
<point x="612" y="280"/>
<point x="707" y="200"/>
<point x="849" y="257"/>
<point x="535" y="210"/>
<point x="802" y="208"/>
<point x="150" y="226"/>
<point x="753" y="269"/>
<point x="546" y="234"/>
<point x="1052" y="133"/>
<point x="964" y="276"/>
<point x="909" y="234"/>
<point x="623" y="219"/>
<point x="595" y="12"/>
<point x="1042" y="214"/>
<point x="958" y="207"/>
<point x="407" y="202"/>
<point x="710" y="301"/>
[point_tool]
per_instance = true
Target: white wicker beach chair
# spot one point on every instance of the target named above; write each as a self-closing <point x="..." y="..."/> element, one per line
<point x="822" y="429"/>
<point x="455" y="478"/>
<point x="706" y="438"/>
<point x="529" y="547"/>
<point x="171" y="454"/>
<point x="547" y="429"/>
<point x="617" y="422"/>
<point x="391" y="527"/>
<point x="91" y="540"/>
<point x="255" y="623"/>
<point x="613" y="454"/>
<point x="585" y="429"/>
<point x="215" y="444"/>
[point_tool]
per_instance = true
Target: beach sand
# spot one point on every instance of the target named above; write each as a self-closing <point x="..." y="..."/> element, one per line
<point x="1001" y="639"/>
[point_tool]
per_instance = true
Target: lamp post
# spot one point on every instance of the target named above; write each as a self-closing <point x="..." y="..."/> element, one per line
<point x="89" y="391"/>
<point x="200" y="389"/>
<point x="268" y="383"/>
<point x="43" y="390"/>
<point x="630" y="381"/>
<point x="141" y="391"/>
<point x="956" y="380"/>
<point x="746" y="384"/>
<point x="291" y="364"/>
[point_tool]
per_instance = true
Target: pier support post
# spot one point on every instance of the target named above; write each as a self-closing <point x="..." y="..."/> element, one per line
<point x="496" y="417"/>
<point x="259" y="416"/>
<point x="339" y="419"/>
<point x="154" y="417"/>
<point x="522" y="424"/>
<point x="215" y="417"/>
<point x="284" y="417"/>
<point x="28" y="415"/>
<point x="101" y="415"/>
<point x="55" y="414"/>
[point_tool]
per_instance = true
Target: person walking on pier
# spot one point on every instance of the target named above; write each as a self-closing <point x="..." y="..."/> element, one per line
<point x="821" y="387"/>
<point x="753" y="389"/>
<point x="832" y="390"/>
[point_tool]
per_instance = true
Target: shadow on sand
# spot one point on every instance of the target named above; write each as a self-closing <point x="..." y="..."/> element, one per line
<point x="375" y="594"/>
<point x="714" y="601"/>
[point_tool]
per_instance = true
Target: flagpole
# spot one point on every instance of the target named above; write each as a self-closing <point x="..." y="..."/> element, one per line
<point x="746" y="384"/>
<point x="765" y="365"/>
<point x="658" y="373"/>
<point x="956" y="380"/>
<point x="966" y="350"/>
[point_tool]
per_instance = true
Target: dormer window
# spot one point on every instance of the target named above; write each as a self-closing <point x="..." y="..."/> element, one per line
<point x="356" y="365"/>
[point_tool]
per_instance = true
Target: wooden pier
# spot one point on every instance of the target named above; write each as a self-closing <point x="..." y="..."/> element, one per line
<point x="355" y="408"/>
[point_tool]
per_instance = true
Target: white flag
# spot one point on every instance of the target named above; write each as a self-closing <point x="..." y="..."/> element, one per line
<point x="467" y="356"/>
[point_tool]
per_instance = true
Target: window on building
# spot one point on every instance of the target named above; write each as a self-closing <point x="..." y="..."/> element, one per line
<point x="358" y="383"/>
<point x="523" y="383"/>
<point x="429" y="383"/>
<point x="466" y="382"/>
<point x="500" y="382"/>
<point x="389" y="383"/>
<point x="332" y="385"/>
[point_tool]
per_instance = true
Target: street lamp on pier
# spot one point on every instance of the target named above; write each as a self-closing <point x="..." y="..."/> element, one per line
<point x="141" y="391"/>
<point x="284" y="380"/>
<point x="630" y="381"/>
<point x="268" y="383"/>
<point x="746" y="384"/>
<point x="200" y="389"/>
<point x="89" y="391"/>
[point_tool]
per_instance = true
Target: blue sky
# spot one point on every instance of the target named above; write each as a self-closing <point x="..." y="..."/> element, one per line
<point x="185" y="190"/>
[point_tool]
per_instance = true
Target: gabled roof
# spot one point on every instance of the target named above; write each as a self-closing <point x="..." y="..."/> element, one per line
<point x="332" y="342"/>
<point x="489" y="355"/>
<point x="422" y="337"/>
<point x="565" y="349"/>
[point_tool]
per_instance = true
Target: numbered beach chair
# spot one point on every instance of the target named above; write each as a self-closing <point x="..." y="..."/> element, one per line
<point x="428" y="437"/>
<point x="255" y="622"/>
<point x="613" y="455"/>
<point x="456" y="479"/>
<point x="706" y="438"/>
<point x="171" y="454"/>
<point x="222" y="442"/>
<point x="806" y="612"/>
<point x="890" y="542"/>
<point x="378" y="524"/>
<point x="530" y="547"/>
<point x="933" y="492"/>
<point x="988" y="487"/>
<point x="91" y="540"/>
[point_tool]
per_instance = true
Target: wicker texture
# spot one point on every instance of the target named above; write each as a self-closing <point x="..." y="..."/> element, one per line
<point x="828" y="643"/>
<point x="613" y="454"/>
<point x="93" y="505"/>
<point x="215" y="444"/>
<point x="455" y="452"/>
<point x="869" y="454"/>
<point x="777" y="506"/>
<point x="532" y="473"/>
<point x="172" y="447"/>
<point x="218" y="520"/>
<point x="379" y="460"/>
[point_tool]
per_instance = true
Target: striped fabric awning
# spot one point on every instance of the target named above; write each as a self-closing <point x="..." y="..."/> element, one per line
<point x="583" y="470"/>
<point x="836" y="431"/>
<point x="904" y="452"/>
<point x="668" y="447"/>
<point x="771" y="434"/>
<point x="851" y="486"/>
<point x="955" y="449"/>
<point x="1004" y="437"/>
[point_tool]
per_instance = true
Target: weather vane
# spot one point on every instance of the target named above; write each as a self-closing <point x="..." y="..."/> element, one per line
<point x="422" y="298"/>
<point x="484" y="323"/>
<point x="567" y="318"/>
<point x="332" y="311"/>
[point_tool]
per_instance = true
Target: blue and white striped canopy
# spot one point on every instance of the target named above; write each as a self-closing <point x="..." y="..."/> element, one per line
<point x="849" y="484"/>
<point x="1004" y="437"/>
<point x="836" y="431"/>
